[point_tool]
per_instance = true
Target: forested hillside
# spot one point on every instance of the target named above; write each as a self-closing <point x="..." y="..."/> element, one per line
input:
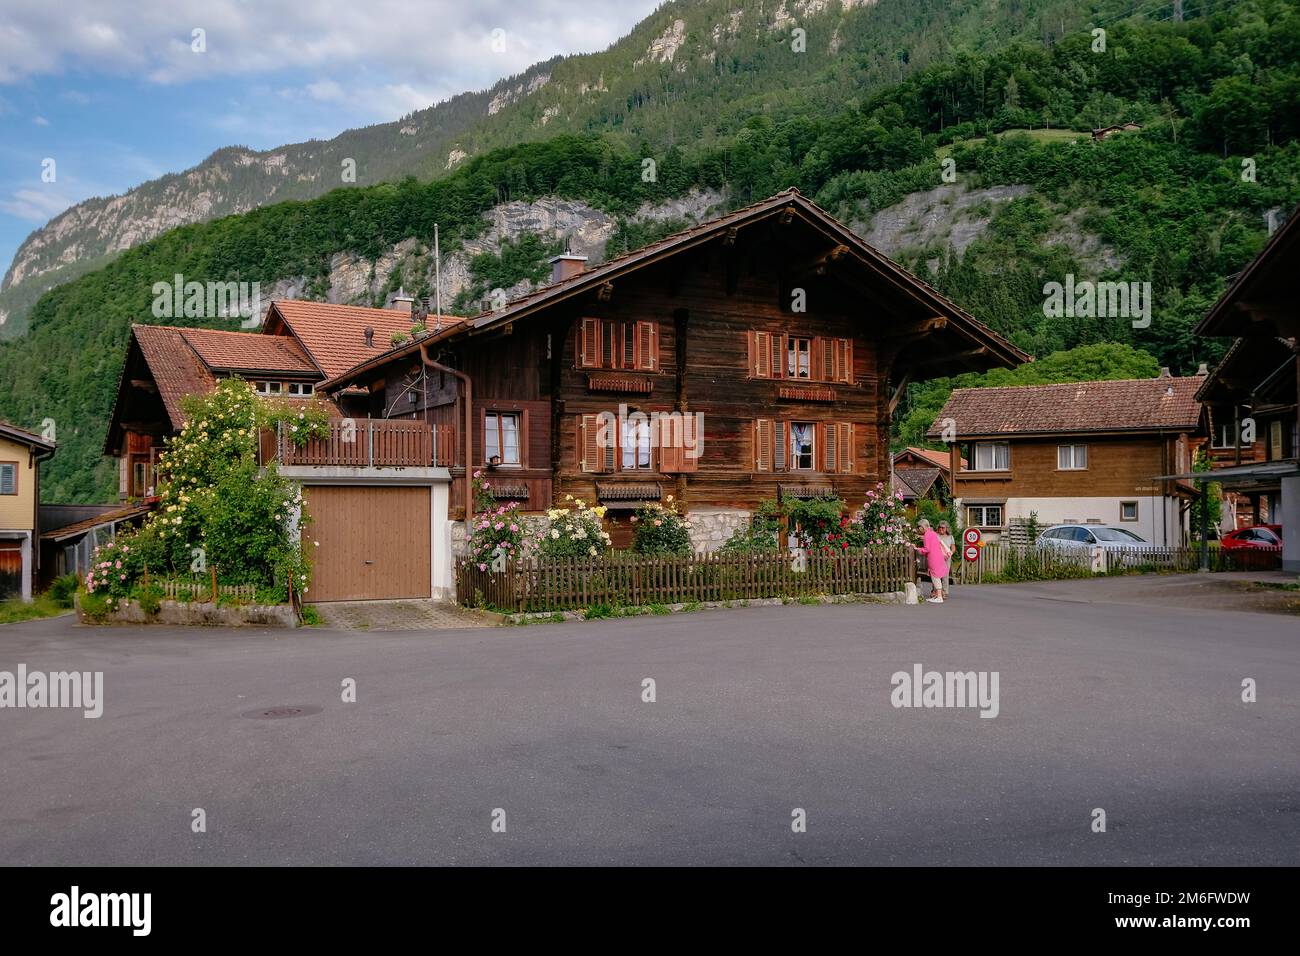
<point x="1172" y="201"/>
<point x="691" y="74"/>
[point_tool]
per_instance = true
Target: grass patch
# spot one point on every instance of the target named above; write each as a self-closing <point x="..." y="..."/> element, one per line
<point x="310" y="616"/>
<point x="16" y="609"/>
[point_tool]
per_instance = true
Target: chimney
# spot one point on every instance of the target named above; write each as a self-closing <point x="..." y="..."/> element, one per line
<point x="399" y="300"/>
<point x="566" y="266"/>
<point x="1203" y="369"/>
<point x="370" y="337"/>
<point x="1164" y="372"/>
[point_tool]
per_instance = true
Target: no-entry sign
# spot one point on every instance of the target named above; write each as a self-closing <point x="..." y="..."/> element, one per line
<point x="971" y="536"/>
<point x="972" y="553"/>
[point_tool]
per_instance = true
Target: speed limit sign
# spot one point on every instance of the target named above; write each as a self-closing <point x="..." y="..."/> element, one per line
<point x="972" y="536"/>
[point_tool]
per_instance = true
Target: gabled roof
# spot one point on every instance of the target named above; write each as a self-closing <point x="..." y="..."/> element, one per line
<point x="918" y="481"/>
<point x="939" y="458"/>
<point x="1143" y="404"/>
<point x="24" y="437"/>
<point x="789" y="203"/>
<point x="334" y="336"/>
<point x="124" y="513"/>
<point x="250" y="352"/>
<point x="177" y="369"/>
<point x="1261" y="300"/>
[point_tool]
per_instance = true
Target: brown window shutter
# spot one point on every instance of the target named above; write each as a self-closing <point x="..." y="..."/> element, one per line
<point x="691" y="441"/>
<point x="751" y="351"/>
<point x="818" y="366"/>
<point x="608" y="345"/>
<point x="846" y="361"/>
<point x="828" y="435"/>
<point x="670" y="445"/>
<point x="763" y="353"/>
<point x="846" y="447"/>
<point x="628" y="336"/>
<point x="647" y="346"/>
<point x="589" y="346"/>
<point x="779" y="446"/>
<point x="779" y="358"/>
<point x="763" y="445"/>
<point x="587" y="434"/>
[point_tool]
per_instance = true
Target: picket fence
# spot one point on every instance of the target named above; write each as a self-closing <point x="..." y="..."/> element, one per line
<point x="620" y="579"/>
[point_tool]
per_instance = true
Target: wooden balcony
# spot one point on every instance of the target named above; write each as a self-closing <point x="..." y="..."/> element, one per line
<point x="364" y="443"/>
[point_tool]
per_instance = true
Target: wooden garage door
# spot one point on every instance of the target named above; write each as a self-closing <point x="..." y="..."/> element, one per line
<point x="374" y="543"/>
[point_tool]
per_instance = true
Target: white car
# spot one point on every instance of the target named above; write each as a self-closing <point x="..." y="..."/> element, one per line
<point x="1135" y="550"/>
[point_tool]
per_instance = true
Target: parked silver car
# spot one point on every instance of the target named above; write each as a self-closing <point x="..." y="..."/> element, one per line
<point x="1131" y="549"/>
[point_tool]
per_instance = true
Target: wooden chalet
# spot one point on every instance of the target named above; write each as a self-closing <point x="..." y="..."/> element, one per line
<point x="1254" y="393"/>
<point x="757" y="356"/>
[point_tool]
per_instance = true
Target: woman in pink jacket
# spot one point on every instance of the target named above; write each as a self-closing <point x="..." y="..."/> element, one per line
<point x="936" y="559"/>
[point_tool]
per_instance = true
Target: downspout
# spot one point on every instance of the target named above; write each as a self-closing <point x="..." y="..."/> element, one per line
<point x="36" y="459"/>
<point x="469" y="426"/>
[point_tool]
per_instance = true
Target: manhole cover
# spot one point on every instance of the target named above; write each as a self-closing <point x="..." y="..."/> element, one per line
<point x="278" y="713"/>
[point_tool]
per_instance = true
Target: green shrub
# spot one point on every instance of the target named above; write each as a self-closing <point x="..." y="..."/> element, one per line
<point x="149" y="598"/>
<point x="661" y="529"/>
<point x="762" y="534"/>
<point x="597" y="612"/>
<point x="96" y="605"/>
<point x="62" y="590"/>
<point x="575" y="532"/>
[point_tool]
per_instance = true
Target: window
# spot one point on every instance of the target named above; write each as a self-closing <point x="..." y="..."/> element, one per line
<point x="501" y="437"/>
<point x="140" y="477"/>
<point x="798" y="358"/>
<point x="1225" y="436"/>
<point x="268" y="388"/>
<point x="801" y="445"/>
<point x="618" y="345"/>
<point x="1071" y="457"/>
<point x="1128" y="511"/>
<point x="807" y="446"/>
<point x="810" y="358"/>
<point x="8" y="477"/>
<point x="635" y="442"/>
<point x="1117" y="535"/>
<point x="992" y="456"/>
<point x="1275" y="450"/>
<point x="301" y="388"/>
<point x="984" y="516"/>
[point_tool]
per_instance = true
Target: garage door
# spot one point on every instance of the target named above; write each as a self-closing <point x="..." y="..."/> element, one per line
<point x="374" y="542"/>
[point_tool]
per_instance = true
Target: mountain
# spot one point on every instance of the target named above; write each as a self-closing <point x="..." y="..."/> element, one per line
<point x="971" y="171"/>
<point x="690" y="74"/>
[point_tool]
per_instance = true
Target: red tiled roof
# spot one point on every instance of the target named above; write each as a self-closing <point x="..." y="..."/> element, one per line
<point x="334" y="335"/>
<point x="1145" y="404"/>
<point x="23" y="436"/>
<point x="250" y="352"/>
<point x="940" y="458"/>
<point x="176" y="367"/>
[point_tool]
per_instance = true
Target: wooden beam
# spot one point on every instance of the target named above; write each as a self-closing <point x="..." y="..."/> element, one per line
<point x="605" y="292"/>
<point x="899" y="391"/>
<point x="949" y="357"/>
<point x="910" y="330"/>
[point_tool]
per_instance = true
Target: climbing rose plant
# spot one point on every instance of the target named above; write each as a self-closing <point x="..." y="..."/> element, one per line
<point x="495" y="528"/>
<point x="882" y="520"/>
<point x="661" y="529"/>
<point x="575" y="531"/>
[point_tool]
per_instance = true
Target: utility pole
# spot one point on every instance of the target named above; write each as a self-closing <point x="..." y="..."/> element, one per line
<point x="1178" y="11"/>
<point x="437" y="280"/>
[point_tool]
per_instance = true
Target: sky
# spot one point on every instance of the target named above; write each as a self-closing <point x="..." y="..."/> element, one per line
<point x="117" y="92"/>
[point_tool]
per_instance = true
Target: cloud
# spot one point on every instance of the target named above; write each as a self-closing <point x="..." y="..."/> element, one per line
<point x="410" y="52"/>
<point x="35" y="205"/>
<point x="40" y="121"/>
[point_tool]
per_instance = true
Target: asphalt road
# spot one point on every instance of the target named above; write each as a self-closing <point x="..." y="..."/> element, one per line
<point x="1127" y="707"/>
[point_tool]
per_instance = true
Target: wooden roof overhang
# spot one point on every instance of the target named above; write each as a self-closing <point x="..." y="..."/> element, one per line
<point x="923" y="334"/>
<point x="1254" y="370"/>
<point x="1262" y="301"/>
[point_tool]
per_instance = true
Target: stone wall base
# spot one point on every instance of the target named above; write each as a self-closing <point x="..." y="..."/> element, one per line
<point x="176" y="613"/>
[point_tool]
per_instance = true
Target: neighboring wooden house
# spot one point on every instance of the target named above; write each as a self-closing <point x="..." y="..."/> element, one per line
<point x="769" y="346"/>
<point x="1257" y="385"/>
<point x="21" y="453"/>
<point x="1076" y="452"/>
<point x="923" y="474"/>
<point x="377" y="496"/>
<point x="1108" y="131"/>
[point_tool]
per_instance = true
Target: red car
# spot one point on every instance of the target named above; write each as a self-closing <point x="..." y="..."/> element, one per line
<point x="1260" y="536"/>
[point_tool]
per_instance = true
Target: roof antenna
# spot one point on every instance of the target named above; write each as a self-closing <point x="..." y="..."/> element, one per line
<point x="437" y="281"/>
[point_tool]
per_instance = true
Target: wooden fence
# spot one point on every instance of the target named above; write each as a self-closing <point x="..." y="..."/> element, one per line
<point x="199" y="590"/>
<point x="621" y="579"/>
<point x="1022" y="562"/>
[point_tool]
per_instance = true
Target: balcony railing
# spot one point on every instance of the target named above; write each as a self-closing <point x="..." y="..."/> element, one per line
<point x="364" y="443"/>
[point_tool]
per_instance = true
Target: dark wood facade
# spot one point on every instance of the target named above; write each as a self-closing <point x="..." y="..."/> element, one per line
<point x="789" y="339"/>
